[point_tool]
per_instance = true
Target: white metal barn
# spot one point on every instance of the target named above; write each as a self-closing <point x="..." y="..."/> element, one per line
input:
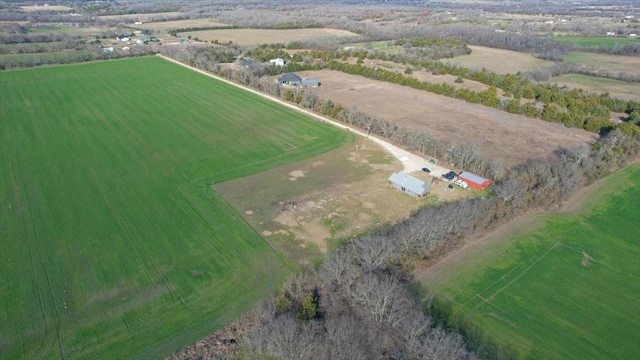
<point x="409" y="185"/>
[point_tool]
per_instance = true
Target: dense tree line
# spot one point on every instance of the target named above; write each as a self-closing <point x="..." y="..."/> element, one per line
<point x="83" y="53"/>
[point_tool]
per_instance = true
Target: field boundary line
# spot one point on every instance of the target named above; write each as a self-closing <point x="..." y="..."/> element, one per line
<point x="410" y="161"/>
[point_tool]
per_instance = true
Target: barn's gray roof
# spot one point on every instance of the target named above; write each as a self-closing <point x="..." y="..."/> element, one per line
<point x="310" y="81"/>
<point x="473" y="177"/>
<point x="289" y="77"/>
<point x="409" y="182"/>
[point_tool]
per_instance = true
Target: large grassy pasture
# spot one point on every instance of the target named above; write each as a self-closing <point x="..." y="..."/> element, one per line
<point x="113" y="243"/>
<point x="560" y="286"/>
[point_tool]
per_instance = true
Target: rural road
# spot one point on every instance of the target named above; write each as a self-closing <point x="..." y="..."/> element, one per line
<point x="410" y="162"/>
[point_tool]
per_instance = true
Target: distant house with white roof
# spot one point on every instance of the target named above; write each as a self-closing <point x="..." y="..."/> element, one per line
<point x="278" y="61"/>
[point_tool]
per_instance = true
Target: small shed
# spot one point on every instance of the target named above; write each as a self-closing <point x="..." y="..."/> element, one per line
<point x="310" y="83"/>
<point x="277" y="61"/>
<point x="409" y="185"/>
<point x="475" y="181"/>
<point x="290" y="79"/>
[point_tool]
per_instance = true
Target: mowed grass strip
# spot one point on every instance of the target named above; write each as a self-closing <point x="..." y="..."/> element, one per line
<point x="114" y="245"/>
<point x="563" y="286"/>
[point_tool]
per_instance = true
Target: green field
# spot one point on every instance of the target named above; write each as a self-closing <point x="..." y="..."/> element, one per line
<point x="596" y="41"/>
<point x="562" y="286"/>
<point x="113" y="243"/>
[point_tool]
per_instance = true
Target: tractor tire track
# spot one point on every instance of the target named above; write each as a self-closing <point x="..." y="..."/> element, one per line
<point x="42" y="260"/>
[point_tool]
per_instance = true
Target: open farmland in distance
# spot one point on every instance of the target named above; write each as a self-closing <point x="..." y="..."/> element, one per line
<point x="177" y="24"/>
<point x="498" y="134"/>
<point x="141" y="17"/>
<point x="265" y="36"/>
<point x="615" y="64"/>
<point x="114" y="244"/>
<point x="498" y="61"/>
<point x="555" y="286"/>
<point x="616" y="88"/>
<point x="45" y="8"/>
<point x="597" y="41"/>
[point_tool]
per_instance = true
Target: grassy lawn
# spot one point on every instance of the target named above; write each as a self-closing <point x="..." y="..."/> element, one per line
<point x="561" y="286"/>
<point x="114" y="244"/>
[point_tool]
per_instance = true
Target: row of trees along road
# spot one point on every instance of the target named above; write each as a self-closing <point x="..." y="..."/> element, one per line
<point x="573" y="108"/>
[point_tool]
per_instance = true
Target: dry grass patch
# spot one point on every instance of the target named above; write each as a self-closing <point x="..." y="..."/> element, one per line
<point x="261" y="36"/>
<point x="45" y="8"/>
<point x="509" y="138"/>
<point x="451" y="80"/>
<point x="498" y="60"/>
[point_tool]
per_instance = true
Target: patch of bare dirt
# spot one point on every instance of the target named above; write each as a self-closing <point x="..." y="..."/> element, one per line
<point x="303" y="225"/>
<point x="511" y="139"/>
<point x="295" y="174"/>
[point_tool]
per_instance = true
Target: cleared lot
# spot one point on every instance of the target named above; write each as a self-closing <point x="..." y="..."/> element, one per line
<point x="509" y="138"/>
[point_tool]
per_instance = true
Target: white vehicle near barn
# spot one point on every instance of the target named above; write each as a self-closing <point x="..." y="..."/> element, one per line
<point x="463" y="184"/>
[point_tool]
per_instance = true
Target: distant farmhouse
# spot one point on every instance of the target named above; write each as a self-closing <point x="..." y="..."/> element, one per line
<point x="278" y="61"/>
<point x="295" y="80"/>
<point x="475" y="181"/>
<point x="409" y="185"/>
